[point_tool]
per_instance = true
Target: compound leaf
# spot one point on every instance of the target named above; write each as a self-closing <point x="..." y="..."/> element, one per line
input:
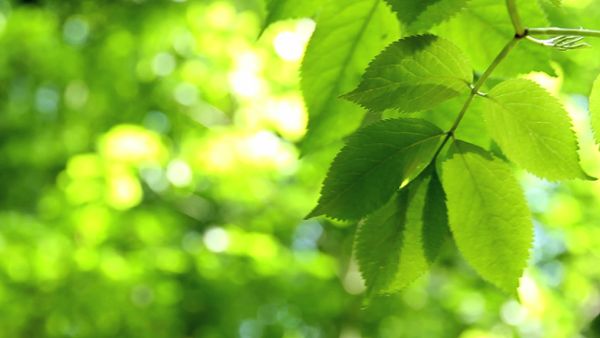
<point x="488" y="215"/>
<point x="413" y="74"/>
<point x="375" y="162"/>
<point x="349" y="33"/>
<point x="532" y="129"/>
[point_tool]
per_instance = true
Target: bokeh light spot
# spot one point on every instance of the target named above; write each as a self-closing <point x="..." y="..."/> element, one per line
<point x="179" y="173"/>
<point x="132" y="144"/>
<point x="186" y="94"/>
<point x="76" y="30"/>
<point x="157" y="121"/>
<point x="46" y="100"/>
<point x="76" y="94"/>
<point x="163" y="64"/>
<point x="287" y="116"/>
<point x="216" y="239"/>
<point x="124" y="191"/>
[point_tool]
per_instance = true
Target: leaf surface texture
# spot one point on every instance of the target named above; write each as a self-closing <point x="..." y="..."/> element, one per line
<point x="533" y="129"/>
<point x="398" y="243"/>
<point x="349" y="33"/>
<point x="413" y="74"/>
<point x="488" y="215"/>
<point x="375" y="162"/>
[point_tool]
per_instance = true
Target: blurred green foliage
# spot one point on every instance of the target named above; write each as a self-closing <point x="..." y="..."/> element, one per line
<point x="151" y="187"/>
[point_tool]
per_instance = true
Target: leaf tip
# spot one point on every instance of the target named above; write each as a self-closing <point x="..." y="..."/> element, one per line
<point x="315" y="212"/>
<point x="584" y="176"/>
<point x="351" y="97"/>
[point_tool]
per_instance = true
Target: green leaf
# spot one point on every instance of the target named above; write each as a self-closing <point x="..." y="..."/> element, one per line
<point x="375" y="162"/>
<point x="532" y="129"/>
<point x="371" y="117"/>
<point x="278" y="10"/>
<point x="488" y="215"/>
<point x="419" y="16"/>
<point x="595" y="109"/>
<point x="378" y="244"/>
<point x="348" y="35"/>
<point x="413" y="74"/>
<point x="483" y="28"/>
<point x="398" y="243"/>
<point x="435" y="217"/>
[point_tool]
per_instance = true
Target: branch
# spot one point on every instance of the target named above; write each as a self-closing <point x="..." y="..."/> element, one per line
<point x="564" y="31"/>
<point x="501" y="56"/>
<point x="475" y="89"/>
<point x="515" y="18"/>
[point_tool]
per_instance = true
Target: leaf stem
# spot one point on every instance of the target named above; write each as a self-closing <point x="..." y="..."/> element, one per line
<point x="501" y="56"/>
<point x="520" y="33"/>
<point x="564" y="31"/>
<point x="462" y="112"/>
<point x="475" y="89"/>
<point x="515" y="18"/>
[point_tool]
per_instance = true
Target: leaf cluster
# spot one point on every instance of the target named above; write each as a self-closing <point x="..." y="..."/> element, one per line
<point x="407" y="179"/>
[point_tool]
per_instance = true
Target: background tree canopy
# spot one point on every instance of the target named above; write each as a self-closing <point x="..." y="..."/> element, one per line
<point x="152" y="183"/>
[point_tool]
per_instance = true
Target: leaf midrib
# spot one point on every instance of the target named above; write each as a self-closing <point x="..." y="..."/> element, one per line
<point x="345" y="64"/>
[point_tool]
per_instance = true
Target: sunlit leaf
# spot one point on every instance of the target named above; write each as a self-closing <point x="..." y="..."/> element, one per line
<point x="595" y="109"/>
<point x="488" y="215"/>
<point x="533" y="129"/>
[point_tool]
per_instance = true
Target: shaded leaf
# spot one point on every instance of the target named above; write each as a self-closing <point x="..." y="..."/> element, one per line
<point x="379" y="241"/>
<point x="348" y="35"/>
<point x="435" y="217"/>
<point x="483" y="28"/>
<point x="488" y="215"/>
<point x="398" y="243"/>
<point x="371" y="117"/>
<point x="375" y="162"/>
<point x="413" y="74"/>
<point x="532" y="129"/>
